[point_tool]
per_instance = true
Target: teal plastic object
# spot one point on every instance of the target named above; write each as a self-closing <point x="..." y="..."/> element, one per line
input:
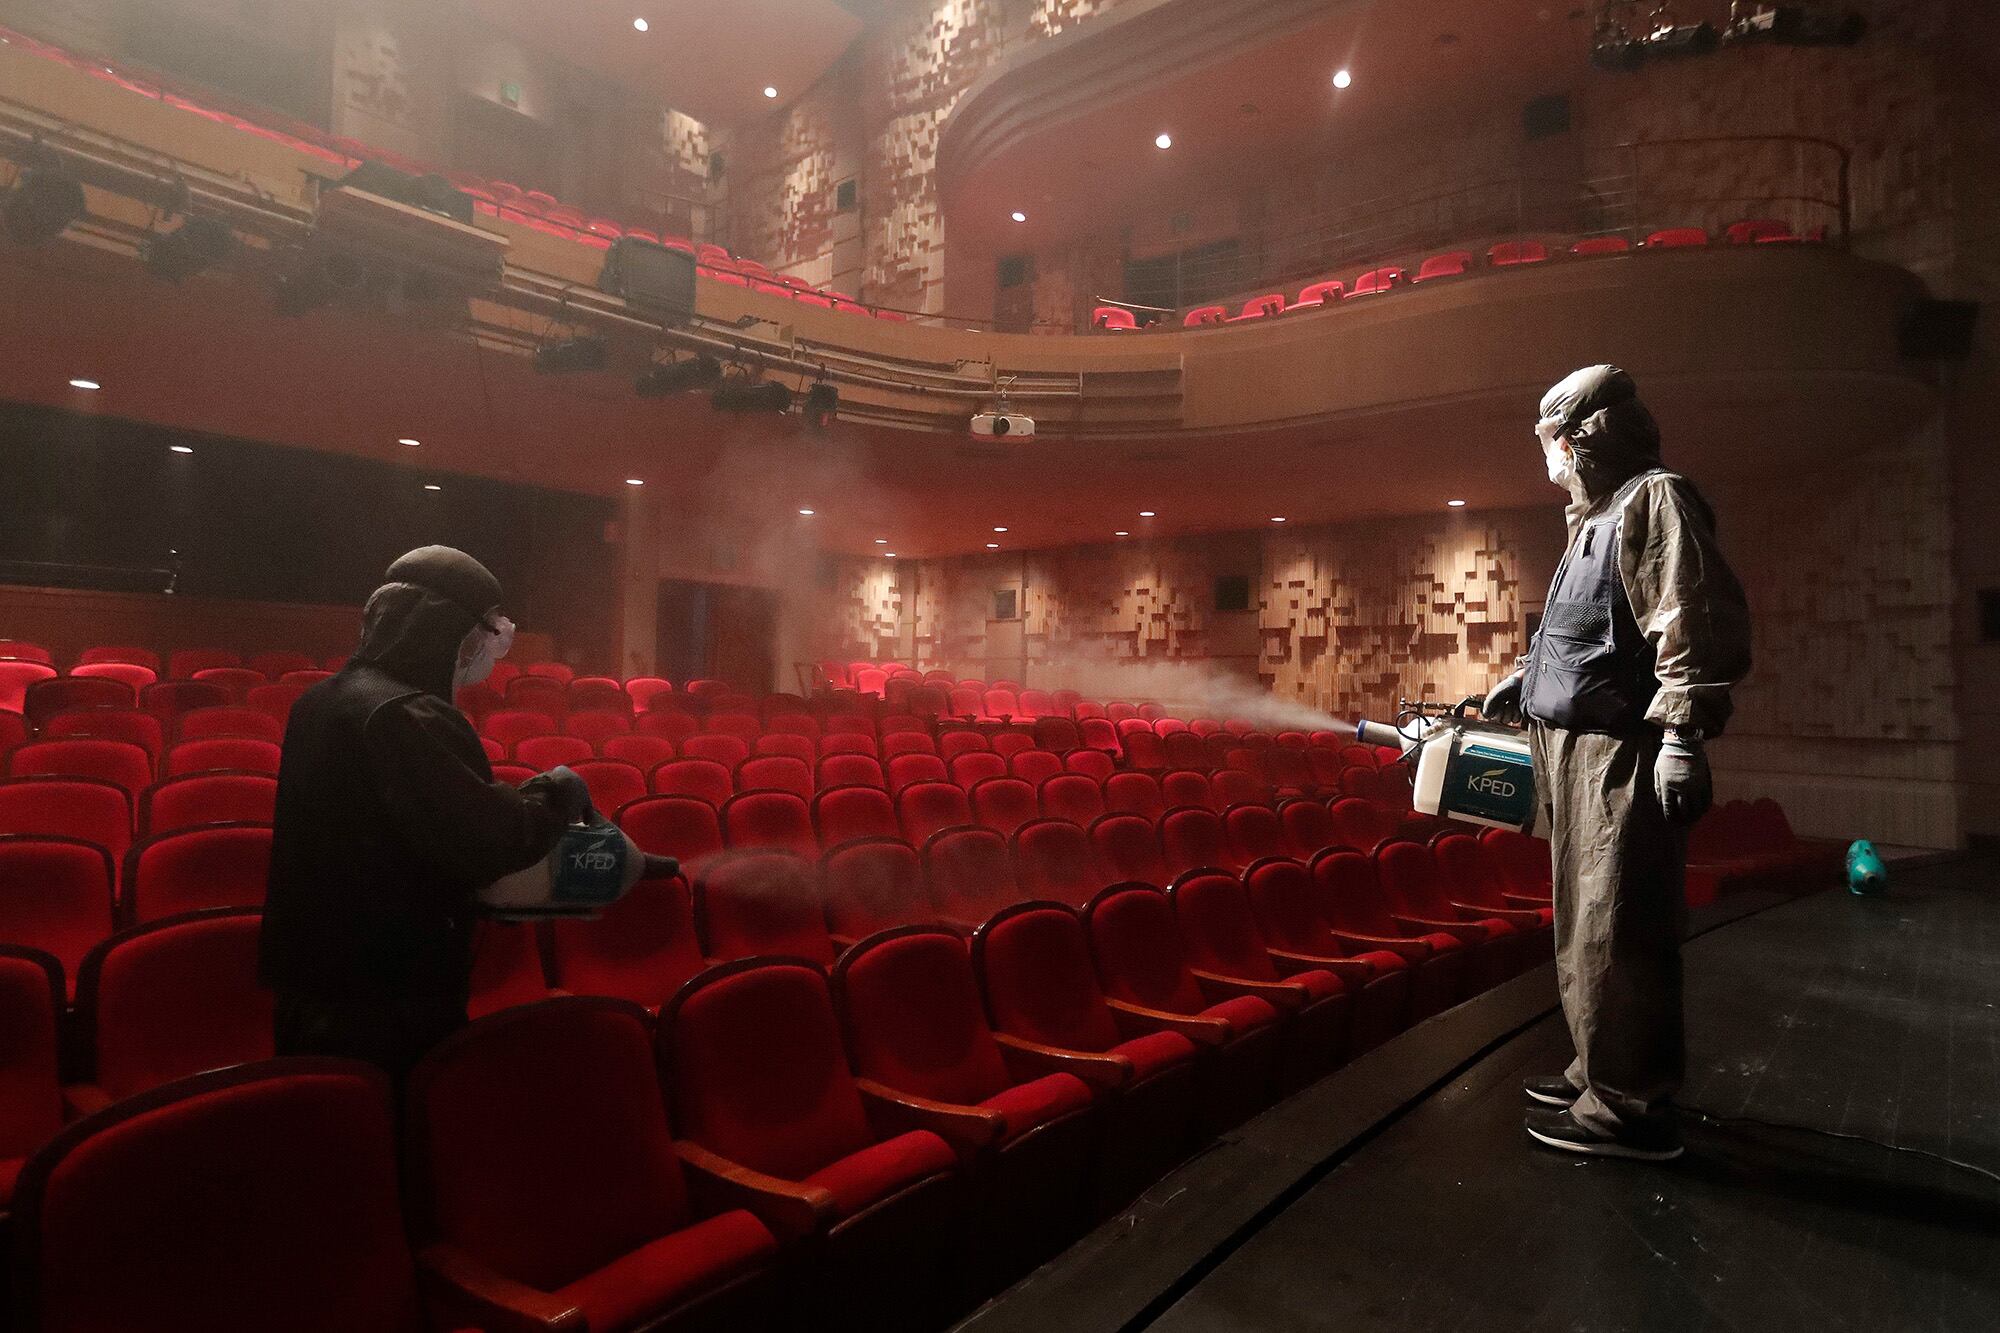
<point x="1866" y="875"/>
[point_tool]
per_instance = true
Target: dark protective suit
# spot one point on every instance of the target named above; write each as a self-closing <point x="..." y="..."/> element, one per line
<point x="1645" y="628"/>
<point x="388" y="821"/>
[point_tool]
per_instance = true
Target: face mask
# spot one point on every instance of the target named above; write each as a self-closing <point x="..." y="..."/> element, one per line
<point x="1556" y="454"/>
<point x="480" y="649"/>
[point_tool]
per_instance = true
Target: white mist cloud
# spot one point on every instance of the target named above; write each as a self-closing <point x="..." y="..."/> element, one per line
<point x="1186" y="689"/>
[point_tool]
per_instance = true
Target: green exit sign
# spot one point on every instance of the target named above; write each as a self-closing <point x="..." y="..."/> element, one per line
<point x="510" y="94"/>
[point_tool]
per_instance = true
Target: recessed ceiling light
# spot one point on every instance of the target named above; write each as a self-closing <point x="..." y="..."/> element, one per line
<point x="409" y="443"/>
<point x="181" y="448"/>
<point x="1019" y="216"/>
<point x="999" y="529"/>
<point x="1147" y="513"/>
<point x="1343" y="79"/>
<point x="1456" y="504"/>
<point x="640" y="24"/>
<point x="993" y="546"/>
<point x="432" y="486"/>
<point x="1121" y="534"/>
<point x="805" y="513"/>
<point x="85" y="384"/>
<point x="1164" y="141"/>
<point x="634" y="481"/>
<point x="881" y="541"/>
<point x="888" y="555"/>
<point x="770" y="91"/>
<point x="1277" y="520"/>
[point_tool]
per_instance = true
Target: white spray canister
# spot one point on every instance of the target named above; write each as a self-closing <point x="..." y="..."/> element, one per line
<point x="1473" y="772"/>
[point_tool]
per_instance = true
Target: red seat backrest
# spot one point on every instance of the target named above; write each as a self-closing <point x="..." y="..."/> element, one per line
<point x="1034" y="966"/>
<point x="1290" y="908"/>
<point x="216" y="865"/>
<point x="56" y="895"/>
<point x="769" y="819"/>
<point x="1072" y="796"/>
<point x="1186" y="787"/>
<point x="1136" y="794"/>
<point x="208" y="798"/>
<point x="925" y="807"/>
<point x="1308" y="828"/>
<point x="47" y="697"/>
<point x="232" y="720"/>
<point x="1218" y="928"/>
<point x="243" y="754"/>
<point x="89" y="809"/>
<point x="1003" y="804"/>
<point x="684" y="827"/>
<point x="1349" y="895"/>
<point x="702" y="778"/>
<point x="31" y="1000"/>
<point x="913" y="1017"/>
<point x="118" y="762"/>
<point x="17" y="677"/>
<point x="871" y="884"/>
<point x="851" y="770"/>
<point x="1137" y="944"/>
<point x="613" y="783"/>
<point x="1128" y="848"/>
<point x="595" y="726"/>
<point x="729" y="751"/>
<point x="778" y="772"/>
<point x="970" y="873"/>
<point x="543" y="753"/>
<point x="861" y="811"/>
<point x="1254" y="832"/>
<point x="1192" y="837"/>
<point x="785" y="1103"/>
<point x="642" y="947"/>
<point x="648" y="752"/>
<point x="1054" y="860"/>
<point x="174" y="997"/>
<point x="669" y="723"/>
<point x="1409" y="873"/>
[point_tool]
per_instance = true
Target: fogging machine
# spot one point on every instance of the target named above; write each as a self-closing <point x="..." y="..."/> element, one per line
<point x="1472" y="771"/>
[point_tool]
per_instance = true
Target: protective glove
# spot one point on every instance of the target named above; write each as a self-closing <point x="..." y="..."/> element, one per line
<point x="567" y="793"/>
<point x="1504" y="704"/>
<point x="1681" y="777"/>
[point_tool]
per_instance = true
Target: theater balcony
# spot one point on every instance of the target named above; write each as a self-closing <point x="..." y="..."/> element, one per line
<point x="1454" y="307"/>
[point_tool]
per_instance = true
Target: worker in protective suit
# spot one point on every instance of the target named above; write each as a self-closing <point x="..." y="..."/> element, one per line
<point x="388" y="821"/>
<point x="1644" y="634"/>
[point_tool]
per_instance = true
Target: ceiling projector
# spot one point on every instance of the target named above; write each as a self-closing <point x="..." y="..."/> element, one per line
<point x="1003" y="423"/>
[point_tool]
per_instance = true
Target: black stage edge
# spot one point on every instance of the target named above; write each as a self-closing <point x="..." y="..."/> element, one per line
<point x="1401" y="1192"/>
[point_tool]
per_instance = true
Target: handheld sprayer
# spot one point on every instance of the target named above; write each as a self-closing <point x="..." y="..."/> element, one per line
<point x="1473" y="771"/>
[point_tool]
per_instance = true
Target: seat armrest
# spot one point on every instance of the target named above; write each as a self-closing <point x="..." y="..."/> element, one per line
<point x="459" y="1287"/>
<point x="842" y="943"/>
<point x="1284" y="996"/>
<point x="970" y="1130"/>
<point x="1469" y="931"/>
<point x="1414" y="951"/>
<point x="84" y="1099"/>
<point x="1351" y="971"/>
<point x="792" y="1211"/>
<point x="1528" y="900"/>
<point x="1031" y="1060"/>
<point x="1136" y="1020"/>
<point x="1526" y="920"/>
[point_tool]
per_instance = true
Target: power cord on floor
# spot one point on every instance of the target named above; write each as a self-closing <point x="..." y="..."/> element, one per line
<point x="1711" y="1118"/>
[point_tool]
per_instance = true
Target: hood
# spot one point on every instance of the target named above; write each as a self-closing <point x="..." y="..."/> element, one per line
<point x="413" y="624"/>
<point x="1610" y="430"/>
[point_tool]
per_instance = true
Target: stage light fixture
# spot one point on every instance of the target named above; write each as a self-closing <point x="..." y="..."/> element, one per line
<point x="640" y="25"/>
<point x="746" y="395"/>
<point x="881" y="541"/>
<point x="1018" y="216"/>
<point x="822" y="407"/>
<point x="993" y="546"/>
<point x="635" y="481"/>
<point x="180" y="448"/>
<point x="1343" y="79"/>
<point x="999" y="529"/>
<point x="888" y="555"/>
<point x="198" y="243"/>
<point x="570" y="355"/>
<point x="1121" y="534"/>
<point x="432" y="486"/>
<point x="409" y="443"/>
<point x="1147" y="513"/>
<point x="700" y="371"/>
<point x="770" y="91"/>
<point x="1455" y="504"/>
<point x="86" y="385"/>
<point x="1277" y="519"/>
<point x="805" y="513"/>
<point x="1164" y="141"/>
<point x="44" y="201"/>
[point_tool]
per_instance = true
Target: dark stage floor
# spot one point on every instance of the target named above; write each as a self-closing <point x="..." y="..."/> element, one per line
<point x="1871" y="1017"/>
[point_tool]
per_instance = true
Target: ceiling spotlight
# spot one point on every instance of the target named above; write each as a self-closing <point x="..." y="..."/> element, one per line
<point x="570" y="355"/>
<point x="1343" y="79"/>
<point x="641" y="24"/>
<point x="805" y="513"/>
<point x="881" y="541"/>
<point x="1019" y="216"/>
<point x="1455" y="504"/>
<point x="1147" y="513"/>
<point x="1277" y="520"/>
<point x="409" y="443"/>
<point x="181" y="448"/>
<point x="770" y="91"/>
<point x="1121" y="534"/>
<point x="432" y="486"/>
<point x="44" y="201"/>
<point x="196" y="244"/>
<point x="993" y="546"/>
<point x="1164" y="141"/>
<point x="888" y="555"/>
<point x="634" y="481"/>
<point x="999" y="529"/>
<point x="695" y="372"/>
<point x="86" y="385"/>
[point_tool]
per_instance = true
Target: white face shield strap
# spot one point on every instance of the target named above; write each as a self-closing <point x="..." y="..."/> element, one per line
<point x="485" y="644"/>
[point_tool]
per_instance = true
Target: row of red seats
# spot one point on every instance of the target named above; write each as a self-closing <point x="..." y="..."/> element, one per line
<point x="1458" y="263"/>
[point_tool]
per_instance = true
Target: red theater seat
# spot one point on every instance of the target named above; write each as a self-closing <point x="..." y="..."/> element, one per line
<point x="1098" y="733"/>
<point x="596" y="726"/>
<point x="1261" y="307"/>
<point x="1675" y="238"/>
<point x="769" y="819"/>
<point x="118" y="1223"/>
<point x="1453" y="264"/>
<point x="1320" y="293"/>
<point x="31" y="1105"/>
<point x="120" y="763"/>
<point x="686" y="828"/>
<point x="642" y="948"/>
<point x="1034" y="767"/>
<point x="1377" y="280"/>
<point x="1308" y="828"/>
<point x="550" y="1187"/>
<point x="1185" y="787"/>
<point x="668" y="723"/>
<point x="216" y="865"/>
<point x="895" y="744"/>
<point x="1355" y="1004"/>
<point x="754" y="903"/>
<point x="240" y="753"/>
<point x="1003" y="804"/>
<point x="538" y="694"/>
<point x="1361" y="824"/>
<point x="506" y="966"/>
<point x="183" y="663"/>
<point x="237" y="682"/>
<point x="729" y="751"/>
<point x="277" y="663"/>
<point x="206" y="798"/>
<point x="1202" y="316"/>
<point x="701" y="778"/>
<point x="776" y="773"/>
<point x="915" y="1024"/>
<point x="1050" y="1013"/>
<point x="646" y="752"/>
<point x="168" y="999"/>
<point x="1111" y="317"/>
<point x="1128" y="849"/>
<point x="88" y="809"/>
<point x="543" y="753"/>
<point x="22" y="650"/>
<point x="1477" y="880"/>
<point x="644" y="691"/>
<point x="1093" y="764"/>
<point x="56" y="895"/>
<point x="49" y="696"/>
<point x="277" y="698"/>
<point x="1253" y="832"/>
<point x="599" y="694"/>
<point x="926" y="807"/>
<point x="229" y="720"/>
<point x="848" y="742"/>
<point x="1508" y="253"/>
<point x="970" y="874"/>
<point x="170" y="699"/>
<point x="1072" y="796"/>
<point x="1409" y="875"/>
<point x="1135" y="794"/>
<point x="1601" y="245"/>
<point x="872" y="884"/>
<point x="851" y="770"/>
<point x="17" y="677"/>
<point x="129" y="673"/>
<point x="1192" y="837"/>
<point x="882" y="1197"/>
<point x="1054" y="860"/>
<point x="1057" y="735"/>
<point x="111" y="724"/>
<point x="613" y="783"/>
<point x="860" y="811"/>
<point x="1342" y="899"/>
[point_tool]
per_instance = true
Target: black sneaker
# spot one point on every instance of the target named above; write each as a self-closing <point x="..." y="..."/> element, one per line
<point x="1660" y="1142"/>
<point x="1552" y="1090"/>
